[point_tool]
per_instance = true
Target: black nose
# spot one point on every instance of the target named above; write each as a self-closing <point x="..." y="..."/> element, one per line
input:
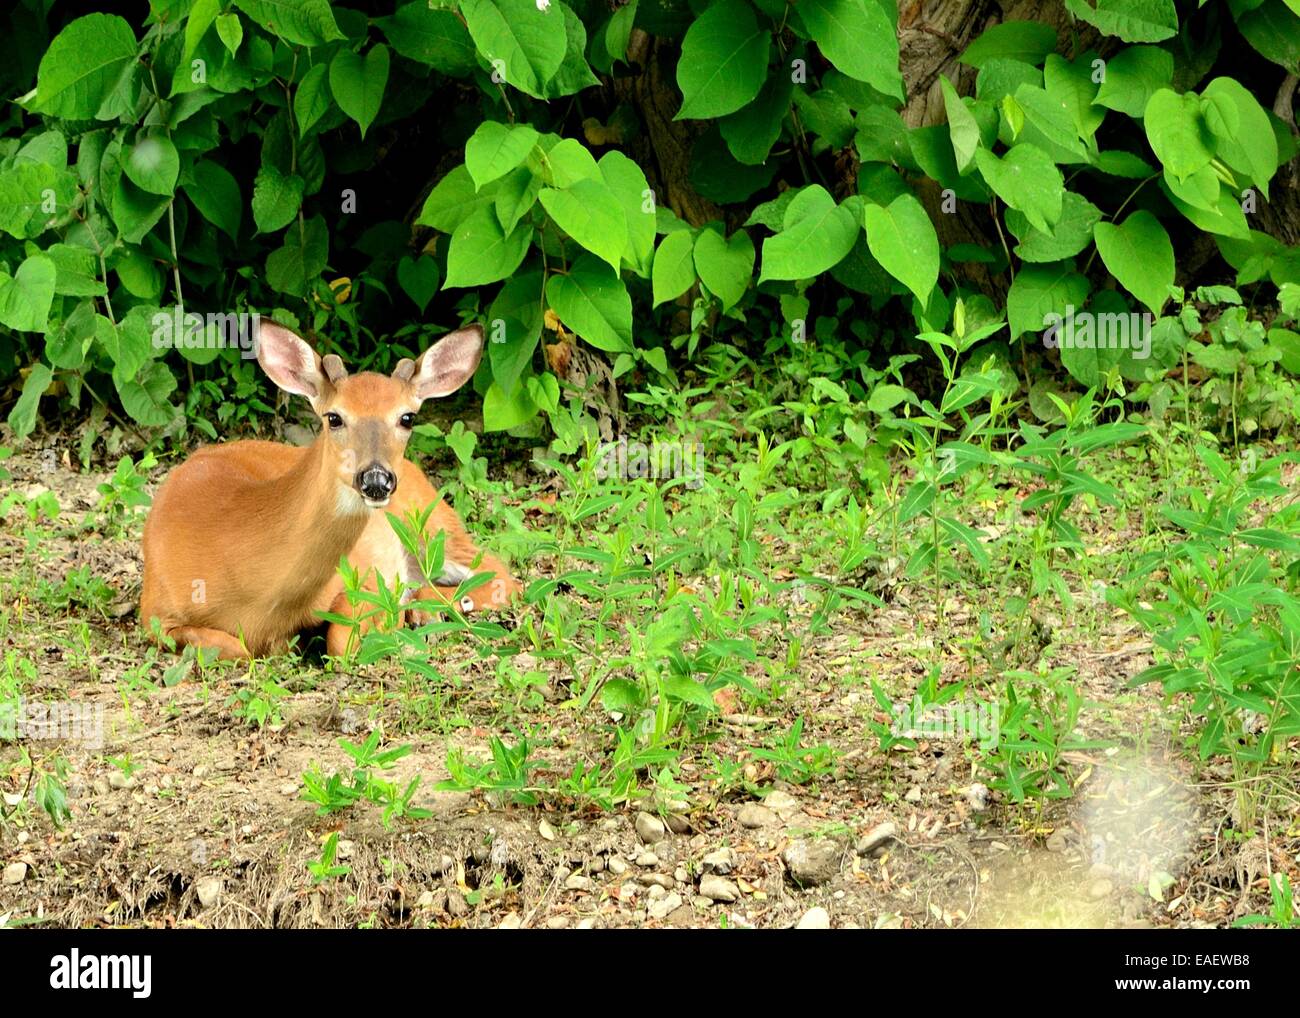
<point x="376" y="482"/>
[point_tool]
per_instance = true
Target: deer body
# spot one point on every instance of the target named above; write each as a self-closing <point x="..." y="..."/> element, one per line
<point x="242" y="545"/>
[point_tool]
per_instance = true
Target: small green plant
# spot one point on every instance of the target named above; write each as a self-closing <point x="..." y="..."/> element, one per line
<point x="124" y="493"/>
<point x="337" y="792"/>
<point x="1283" y="915"/>
<point x="325" y="868"/>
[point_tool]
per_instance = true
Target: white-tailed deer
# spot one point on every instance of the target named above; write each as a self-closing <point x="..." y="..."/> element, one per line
<point x="242" y="545"/>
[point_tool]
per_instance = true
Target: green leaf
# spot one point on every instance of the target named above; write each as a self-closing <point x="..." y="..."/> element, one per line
<point x="1131" y="20"/>
<point x="575" y="73"/>
<point x="153" y="164"/>
<point x="1027" y="180"/>
<point x="1070" y="84"/>
<point x="454" y="200"/>
<point x="628" y="183"/>
<point x="1249" y="145"/>
<point x="751" y="132"/>
<point x="725" y="266"/>
<point x="23" y="189"/>
<point x="418" y="277"/>
<point x="593" y="302"/>
<point x="503" y="411"/>
<point x="1133" y="76"/>
<point x="295" y="266"/>
<point x="1027" y="41"/>
<point x="1177" y="132"/>
<point x="311" y="99"/>
<point x="481" y="252"/>
<point x="22" y="418"/>
<point x="1067" y="237"/>
<point x="1273" y="29"/>
<point x="26" y="297"/>
<point x="77" y="271"/>
<point x="816" y="235"/>
<point x="962" y="128"/>
<point x="495" y="149"/>
<point x="82" y="65"/>
<point x="358" y="84"/>
<point x="858" y="38"/>
<point x="511" y="348"/>
<point x="300" y="22"/>
<point x="230" y="30"/>
<point x="903" y="240"/>
<point x="1042" y="290"/>
<point x="144" y="397"/>
<point x="435" y="38"/>
<point x="525" y="46"/>
<point x="1139" y="255"/>
<point x="674" y="267"/>
<point x="516" y="194"/>
<point x="589" y="212"/>
<point x="724" y="61"/>
<point x="276" y="199"/>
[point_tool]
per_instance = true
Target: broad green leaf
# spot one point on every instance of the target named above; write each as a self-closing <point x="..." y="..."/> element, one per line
<point x="575" y="73"/>
<point x="144" y="396"/>
<point x="1133" y="76"/>
<point x="153" y="164"/>
<point x="230" y="30"/>
<point x="1027" y="180"/>
<point x="295" y="266"/>
<point x="1273" y="29"/>
<point x="510" y="350"/>
<point x="276" y="199"/>
<point x="358" y="84"/>
<point x="816" y="234"/>
<point x="592" y="301"/>
<point x="1070" y="84"/>
<point x="524" y="46"/>
<point x="1139" y="255"/>
<point x="77" y="271"/>
<point x="494" y="149"/>
<point x="418" y="277"/>
<point x="311" y="99"/>
<point x="903" y="240"/>
<point x="1248" y="145"/>
<point x="22" y="418"/>
<point x="435" y="38"/>
<point x="1071" y="233"/>
<point x="674" y="267"/>
<point x="516" y="194"/>
<point x="1226" y="219"/>
<point x="858" y="38"/>
<point x="481" y="252"/>
<point x="1177" y="132"/>
<point x="725" y="266"/>
<point x="82" y="65"/>
<point x="24" y="188"/>
<point x="503" y="411"/>
<point x="1042" y="290"/>
<point x="589" y="212"/>
<point x="724" y="61"/>
<point x="1026" y="41"/>
<point x="962" y="128"/>
<point x="564" y="162"/>
<point x="26" y="297"/>
<point x="751" y="132"/>
<point x="300" y="22"/>
<point x="453" y="200"/>
<point x="628" y="183"/>
<point x="1131" y="20"/>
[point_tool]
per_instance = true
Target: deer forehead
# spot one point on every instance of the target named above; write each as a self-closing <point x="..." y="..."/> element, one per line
<point x="373" y="395"/>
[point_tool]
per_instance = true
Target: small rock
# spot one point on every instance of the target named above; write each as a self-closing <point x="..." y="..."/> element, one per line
<point x="101" y="786"/>
<point x="546" y="831"/>
<point x="753" y="816"/>
<point x="616" y="865"/>
<point x="425" y="900"/>
<point x="201" y="771"/>
<point x="346" y="848"/>
<point x="209" y="890"/>
<point x="557" y="922"/>
<point x="680" y="875"/>
<point x="587" y="924"/>
<point x="1099" y="889"/>
<point x="647" y="859"/>
<point x="577" y="882"/>
<point x="24" y="837"/>
<point x="649" y="828"/>
<point x="456" y="905"/>
<point x="511" y="922"/>
<point x="913" y="794"/>
<point x="718" y="888"/>
<point x="814" y="919"/>
<point x="977" y="797"/>
<point x="876" y="837"/>
<point x="119" y="780"/>
<point x="1059" y="840"/>
<point x="722" y="860"/>
<point x="15" y="873"/>
<point x="660" y="880"/>
<point x="596" y="864"/>
<point x="655" y="892"/>
<point x="288" y="788"/>
<point x="668" y="903"/>
<point x="783" y="804"/>
<point x="678" y="824"/>
<point x="814" y="861"/>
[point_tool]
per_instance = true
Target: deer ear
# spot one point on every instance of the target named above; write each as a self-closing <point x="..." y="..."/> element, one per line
<point x="449" y="363"/>
<point x="289" y="362"/>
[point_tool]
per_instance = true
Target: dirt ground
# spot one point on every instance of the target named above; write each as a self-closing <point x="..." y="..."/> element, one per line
<point x="208" y="828"/>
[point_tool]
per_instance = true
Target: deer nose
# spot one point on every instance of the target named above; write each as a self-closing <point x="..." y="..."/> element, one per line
<point x="376" y="482"/>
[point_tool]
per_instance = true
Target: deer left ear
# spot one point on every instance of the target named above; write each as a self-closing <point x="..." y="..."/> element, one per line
<point x="447" y="365"/>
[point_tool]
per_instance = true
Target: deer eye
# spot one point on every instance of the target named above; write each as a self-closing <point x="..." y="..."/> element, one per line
<point x="333" y="420"/>
<point x="406" y="421"/>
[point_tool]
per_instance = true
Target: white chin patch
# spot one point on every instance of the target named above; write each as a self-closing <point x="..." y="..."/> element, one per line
<point x="348" y="501"/>
<point x="375" y="504"/>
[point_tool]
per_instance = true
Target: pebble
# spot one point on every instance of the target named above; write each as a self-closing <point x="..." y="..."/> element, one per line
<point x="814" y="919"/>
<point x="456" y="905"/>
<point x="1100" y="889"/>
<point x="14" y="873"/>
<point x="616" y="865"/>
<point x="557" y="922"/>
<point x="546" y="831"/>
<point x="913" y="794"/>
<point x="678" y="824"/>
<point x="649" y="828"/>
<point x="648" y="860"/>
<point x="721" y="860"/>
<point x="588" y="924"/>
<point x="668" y="903"/>
<point x="511" y="922"/>
<point x="753" y="816"/>
<point x="577" y="882"/>
<point x="660" y="880"/>
<point x="425" y="900"/>
<point x="876" y="837"/>
<point x="718" y="888"/>
<point x="119" y="780"/>
<point x="782" y="803"/>
<point x="201" y="771"/>
<point x="208" y="890"/>
<point x="812" y="861"/>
